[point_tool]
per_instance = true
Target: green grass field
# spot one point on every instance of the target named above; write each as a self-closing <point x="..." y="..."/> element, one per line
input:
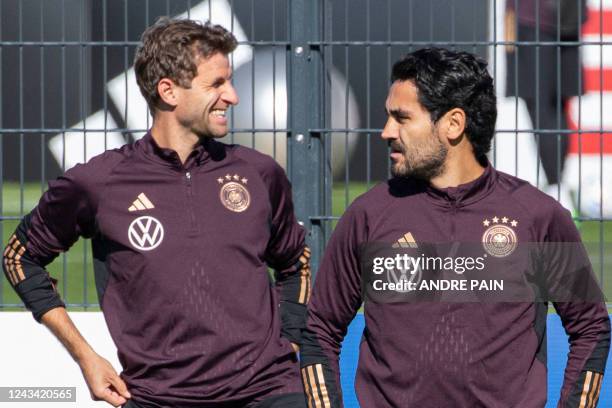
<point x="74" y="270"/>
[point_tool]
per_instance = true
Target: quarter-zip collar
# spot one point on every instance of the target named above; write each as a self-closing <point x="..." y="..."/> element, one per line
<point x="464" y="194"/>
<point x="171" y="158"/>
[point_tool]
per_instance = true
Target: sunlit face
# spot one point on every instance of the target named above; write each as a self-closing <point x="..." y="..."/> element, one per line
<point x="203" y="107"/>
<point x="416" y="147"/>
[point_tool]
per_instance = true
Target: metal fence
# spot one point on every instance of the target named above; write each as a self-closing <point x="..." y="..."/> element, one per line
<point x="312" y="76"/>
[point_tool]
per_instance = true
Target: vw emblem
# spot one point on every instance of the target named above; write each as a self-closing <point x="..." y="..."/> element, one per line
<point x="146" y="233"/>
<point x="405" y="277"/>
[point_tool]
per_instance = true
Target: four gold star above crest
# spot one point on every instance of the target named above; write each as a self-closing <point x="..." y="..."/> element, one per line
<point x="496" y="220"/>
<point x="236" y="177"/>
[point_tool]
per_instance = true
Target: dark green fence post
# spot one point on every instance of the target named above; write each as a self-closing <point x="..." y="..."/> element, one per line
<point x="307" y="110"/>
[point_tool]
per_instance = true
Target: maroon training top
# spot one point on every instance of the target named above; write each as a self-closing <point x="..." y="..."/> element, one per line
<point x="181" y="256"/>
<point x="468" y="353"/>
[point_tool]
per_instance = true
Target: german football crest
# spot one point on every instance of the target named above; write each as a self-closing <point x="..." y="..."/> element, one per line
<point x="499" y="240"/>
<point x="234" y="194"/>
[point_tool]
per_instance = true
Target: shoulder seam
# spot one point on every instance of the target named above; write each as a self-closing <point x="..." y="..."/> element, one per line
<point x="259" y="173"/>
<point x="105" y="186"/>
<point x="526" y="209"/>
<point x="376" y="221"/>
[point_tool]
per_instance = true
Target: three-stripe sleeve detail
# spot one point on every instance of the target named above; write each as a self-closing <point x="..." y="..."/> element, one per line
<point x="12" y="260"/>
<point x="590" y="390"/>
<point x="305" y="276"/>
<point x="317" y="394"/>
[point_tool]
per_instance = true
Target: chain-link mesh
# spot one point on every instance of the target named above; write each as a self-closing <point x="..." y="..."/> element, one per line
<point x="68" y="93"/>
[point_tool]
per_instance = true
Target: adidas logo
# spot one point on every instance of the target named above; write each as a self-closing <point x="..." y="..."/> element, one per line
<point x="407" y="241"/>
<point x="141" y="203"/>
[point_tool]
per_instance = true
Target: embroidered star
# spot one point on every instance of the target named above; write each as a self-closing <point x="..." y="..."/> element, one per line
<point x="228" y="177"/>
<point x="236" y="177"/>
<point x="244" y="180"/>
<point x="505" y="220"/>
<point x="220" y="180"/>
<point x="486" y="223"/>
<point x="514" y="223"/>
<point x="495" y="220"/>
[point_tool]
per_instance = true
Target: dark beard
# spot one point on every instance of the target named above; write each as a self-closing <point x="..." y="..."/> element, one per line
<point x="427" y="168"/>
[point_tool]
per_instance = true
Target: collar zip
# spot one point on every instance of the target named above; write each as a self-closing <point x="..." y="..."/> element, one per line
<point x="196" y="158"/>
<point x="464" y="194"/>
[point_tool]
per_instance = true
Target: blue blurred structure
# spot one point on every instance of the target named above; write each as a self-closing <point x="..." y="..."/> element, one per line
<point x="557" y="357"/>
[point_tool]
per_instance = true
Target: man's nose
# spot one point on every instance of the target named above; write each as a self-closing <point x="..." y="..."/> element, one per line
<point x="230" y="96"/>
<point x="390" y="131"/>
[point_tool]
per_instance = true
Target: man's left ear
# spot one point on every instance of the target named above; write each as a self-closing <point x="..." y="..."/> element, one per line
<point x="455" y="124"/>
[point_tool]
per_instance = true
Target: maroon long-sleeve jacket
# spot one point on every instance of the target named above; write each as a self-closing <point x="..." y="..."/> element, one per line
<point x="457" y="353"/>
<point x="181" y="255"/>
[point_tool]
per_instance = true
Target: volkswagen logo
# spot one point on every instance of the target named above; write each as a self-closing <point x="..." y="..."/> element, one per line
<point x="402" y="277"/>
<point x="146" y="233"/>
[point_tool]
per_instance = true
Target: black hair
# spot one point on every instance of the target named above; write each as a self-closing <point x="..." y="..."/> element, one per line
<point x="448" y="79"/>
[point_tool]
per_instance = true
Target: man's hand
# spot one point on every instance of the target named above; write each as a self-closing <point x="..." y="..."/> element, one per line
<point x="103" y="381"/>
<point x="101" y="378"/>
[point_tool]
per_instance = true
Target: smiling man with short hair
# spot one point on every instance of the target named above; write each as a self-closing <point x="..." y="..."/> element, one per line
<point x="183" y="231"/>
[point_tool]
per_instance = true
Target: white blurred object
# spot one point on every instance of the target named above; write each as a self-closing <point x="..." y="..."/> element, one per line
<point x="516" y="153"/>
<point x="597" y="4"/>
<point x="595" y="56"/>
<point x="588" y="172"/>
<point x="595" y="108"/>
<point x="32" y="357"/>
<point x="78" y="147"/>
<point x="587" y="175"/>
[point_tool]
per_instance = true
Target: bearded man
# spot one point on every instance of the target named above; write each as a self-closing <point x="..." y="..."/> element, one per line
<point x="465" y="353"/>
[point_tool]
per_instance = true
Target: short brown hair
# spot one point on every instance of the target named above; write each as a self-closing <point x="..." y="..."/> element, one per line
<point x="170" y="49"/>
